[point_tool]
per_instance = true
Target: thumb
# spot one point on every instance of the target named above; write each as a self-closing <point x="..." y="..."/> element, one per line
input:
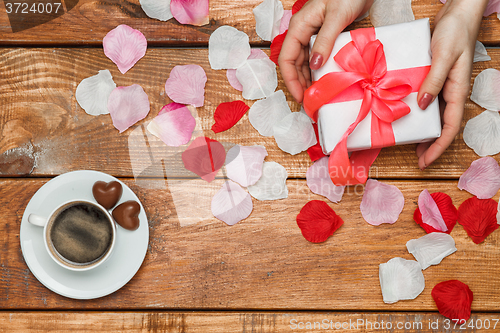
<point x="435" y="79"/>
<point x="337" y="18"/>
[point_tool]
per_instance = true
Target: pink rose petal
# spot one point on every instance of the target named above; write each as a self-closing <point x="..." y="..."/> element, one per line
<point x="124" y="46"/>
<point x="430" y="211"/>
<point x="186" y="85"/>
<point x="171" y="107"/>
<point x="319" y="181"/>
<point x="194" y="12"/>
<point x="127" y="105"/>
<point x="232" y="203"/>
<point x="244" y="164"/>
<point x="482" y="178"/>
<point x="285" y="21"/>
<point x="173" y="127"/>
<point x="231" y="73"/>
<point x="204" y="157"/>
<point x="381" y="203"/>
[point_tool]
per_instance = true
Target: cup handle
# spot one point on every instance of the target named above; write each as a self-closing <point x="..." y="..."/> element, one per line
<point x="37" y="220"/>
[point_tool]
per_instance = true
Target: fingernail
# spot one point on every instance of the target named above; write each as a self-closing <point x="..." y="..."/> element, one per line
<point x="425" y="101"/>
<point x="316" y="61"/>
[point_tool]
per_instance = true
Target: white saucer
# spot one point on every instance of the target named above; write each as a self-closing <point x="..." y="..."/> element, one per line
<point x="125" y="261"/>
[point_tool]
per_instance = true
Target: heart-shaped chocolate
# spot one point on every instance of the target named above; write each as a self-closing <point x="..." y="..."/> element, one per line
<point x="107" y="194"/>
<point x="127" y="214"/>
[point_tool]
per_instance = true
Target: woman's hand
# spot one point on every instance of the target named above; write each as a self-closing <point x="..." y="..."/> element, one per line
<point x="453" y="42"/>
<point x="329" y="17"/>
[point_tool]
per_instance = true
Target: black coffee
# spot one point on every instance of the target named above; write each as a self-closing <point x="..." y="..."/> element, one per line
<point x="81" y="233"/>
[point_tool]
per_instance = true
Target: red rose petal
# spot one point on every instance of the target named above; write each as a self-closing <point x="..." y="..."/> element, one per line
<point x="318" y="221"/>
<point x="276" y="45"/>
<point x="447" y="210"/>
<point x="453" y="299"/>
<point x="298" y="5"/>
<point x="478" y="217"/>
<point x="228" y="114"/>
<point x="204" y="157"/>
<point x="315" y="152"/>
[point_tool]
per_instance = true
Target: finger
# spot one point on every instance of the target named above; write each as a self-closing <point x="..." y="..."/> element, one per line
<point x="297" y="38"/>
<point x="422" y="147"/>
<point x="442" y="62"/>
<point x="451" y="127"/>
<point x="338" y="16"/>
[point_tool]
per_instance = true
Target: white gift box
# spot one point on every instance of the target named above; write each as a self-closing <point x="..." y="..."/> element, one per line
<point x="406" y="45"/>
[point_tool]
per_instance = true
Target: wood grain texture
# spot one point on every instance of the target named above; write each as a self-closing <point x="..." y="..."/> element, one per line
<point x="44" y="132"/>
<point x="238" y="322"/>
<point x="89" y="21"/>
<point x="195" y="261"/>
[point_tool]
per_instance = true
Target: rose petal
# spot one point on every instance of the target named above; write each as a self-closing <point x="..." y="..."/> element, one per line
<point x="294" y="133"/>
<point x="194" y="12"/>
<point x="272" y="184"/>
<point x="276" y="45"/>
<point x="381" y="203"/>
<point x="480" y="53"/>
<point x="478" y="218"/>
<point x="174" y="127"/>
<point x="431" y="214"/>
<point x="171" y="107"/>
<point x="186" y="85"/>
<point x="482" y="133"/>
<point x="244" y="164"/>
<point x="285" y="21"/>
<point x="268" y="18"/>
<point x="453" y="300"/>
<point x="228" y="48"/>
<point x="317" y="221"/>
<point x="447" y="210"/>
<point x="431" y="248"/>
<point x="318" y="180"/>
<point x="93" y="92"/>
<point x="485" y="89"/>
<point x="315" y="152"/>
<point x="492" y="7"/>
<point x="231" y="73"/>
<point x="400" y="279"/>
<point x="498" y="213"/>
<point x="258" y="78"/>
<point x="232" y="203"/>
<point x="157" y="9"/>
<point x="386" y="12"/>
<point x="482" y="178"/>
<point x="204" y="157"/>
<point x="298" y="5"/>
<point x="264" y="114"/>
<point x="228" y="114"/>
<point x="127" y="105"/>
<point x="124" y="46"/>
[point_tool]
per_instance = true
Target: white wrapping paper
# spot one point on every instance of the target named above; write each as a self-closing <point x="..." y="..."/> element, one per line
<point x="406" y="45"/>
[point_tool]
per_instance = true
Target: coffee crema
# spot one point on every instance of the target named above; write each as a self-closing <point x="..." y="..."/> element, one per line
<point x="81" y="233"/>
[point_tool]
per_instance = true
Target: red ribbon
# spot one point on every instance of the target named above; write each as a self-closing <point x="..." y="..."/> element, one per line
<point x="365" y="76"/>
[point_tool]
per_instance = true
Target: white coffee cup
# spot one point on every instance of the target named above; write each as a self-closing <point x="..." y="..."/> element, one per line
<point x="78" y="235"/>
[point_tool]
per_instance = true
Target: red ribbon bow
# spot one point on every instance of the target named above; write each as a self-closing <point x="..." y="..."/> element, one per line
<point x="366" y="77"/>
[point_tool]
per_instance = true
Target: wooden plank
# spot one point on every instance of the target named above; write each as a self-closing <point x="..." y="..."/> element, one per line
<point x="195" y="261"/>
<point x="44" y="132"/>
<point x="89" y="21"/>
<point x="237" y="322"/>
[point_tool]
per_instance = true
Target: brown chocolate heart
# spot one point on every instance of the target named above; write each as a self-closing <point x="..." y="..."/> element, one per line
<point x="107" y="194"/>
<point x="127" y="214"/>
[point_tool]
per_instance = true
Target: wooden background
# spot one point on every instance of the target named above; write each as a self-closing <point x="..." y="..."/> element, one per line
<point x="255" y="276"/>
